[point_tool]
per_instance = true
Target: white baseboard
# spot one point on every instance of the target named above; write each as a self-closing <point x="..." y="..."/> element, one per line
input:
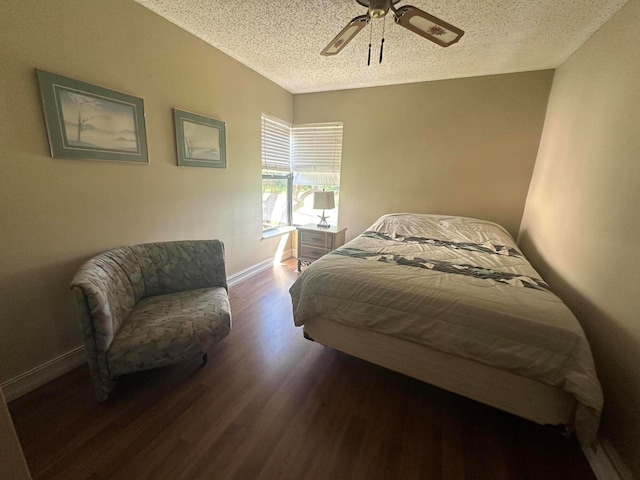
<point x="54" y="368"/>
<point x="605" y="461"/>
<point x="249" y="272"/>
<point x="255" y="269"/>
<point x="38" y="376"/>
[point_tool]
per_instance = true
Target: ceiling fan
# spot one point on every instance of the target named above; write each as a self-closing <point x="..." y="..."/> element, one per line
<point x="412" y="18"/>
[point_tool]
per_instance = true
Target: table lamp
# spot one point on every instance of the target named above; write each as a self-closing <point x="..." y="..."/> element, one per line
<point x="323" y="201"/>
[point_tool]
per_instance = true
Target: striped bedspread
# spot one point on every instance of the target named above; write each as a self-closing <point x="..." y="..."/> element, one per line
<point x="461" y="286"/>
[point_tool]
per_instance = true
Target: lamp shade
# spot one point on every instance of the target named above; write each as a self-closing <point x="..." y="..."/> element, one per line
<point x="323" y="200"/>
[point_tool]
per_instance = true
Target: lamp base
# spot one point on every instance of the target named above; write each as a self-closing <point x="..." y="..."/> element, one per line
<point x="323" y="221"/>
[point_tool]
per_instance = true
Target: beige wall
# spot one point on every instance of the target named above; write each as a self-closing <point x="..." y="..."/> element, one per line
<point x="581" y="224"/>
<point x="55" y="213"/>
<point x="462" y="147"/>
<point x="12" y="463"/>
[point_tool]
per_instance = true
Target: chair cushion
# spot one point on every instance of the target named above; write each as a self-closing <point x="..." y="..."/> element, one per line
<point x="166" y="329"/>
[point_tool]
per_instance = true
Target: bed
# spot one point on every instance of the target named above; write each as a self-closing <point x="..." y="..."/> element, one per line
<point x="453" y="302"/>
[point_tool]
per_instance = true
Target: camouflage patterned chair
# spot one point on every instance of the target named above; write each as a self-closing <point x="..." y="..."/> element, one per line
<point x="151" y="305"/>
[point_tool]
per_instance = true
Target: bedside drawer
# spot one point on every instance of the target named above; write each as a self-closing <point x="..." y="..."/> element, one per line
<point x="315" y="242"/>
<point x="312" y="252"/>
<point x="317" y="238"/>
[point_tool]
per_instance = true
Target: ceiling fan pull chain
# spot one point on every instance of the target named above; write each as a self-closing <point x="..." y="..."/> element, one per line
<point x="370" y="33"/>
<point x="384" y="21"/>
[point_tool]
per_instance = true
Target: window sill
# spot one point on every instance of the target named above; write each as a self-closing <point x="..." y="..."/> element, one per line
<point x="277" y="231"/>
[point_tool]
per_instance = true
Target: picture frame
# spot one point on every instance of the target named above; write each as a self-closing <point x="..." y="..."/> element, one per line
<point x="200" y="140"/>
<point x="85" y="121"/>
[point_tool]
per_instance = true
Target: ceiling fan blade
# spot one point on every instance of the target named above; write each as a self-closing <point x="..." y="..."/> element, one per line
<point x="427" y="26"/>
<point x="346" y="35"/>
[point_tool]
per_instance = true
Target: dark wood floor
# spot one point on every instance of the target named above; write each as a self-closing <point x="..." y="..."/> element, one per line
<point x="271" y="405"/>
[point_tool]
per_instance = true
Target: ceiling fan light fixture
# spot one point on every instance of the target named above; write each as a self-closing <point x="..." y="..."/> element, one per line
<point x="346" y="35"/>
<point x="411" y="18"/>
<point x="378" y="8"/>
<point x="428" y="26"/>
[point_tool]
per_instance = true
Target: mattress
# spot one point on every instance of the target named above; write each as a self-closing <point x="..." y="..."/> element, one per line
<point x="460" y="286"/>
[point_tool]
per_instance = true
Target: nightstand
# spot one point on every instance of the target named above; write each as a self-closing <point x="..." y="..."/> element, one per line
<point x="314" y="242"/>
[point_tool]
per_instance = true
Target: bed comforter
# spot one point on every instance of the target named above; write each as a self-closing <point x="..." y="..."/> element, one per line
<point x="461" y="286"/>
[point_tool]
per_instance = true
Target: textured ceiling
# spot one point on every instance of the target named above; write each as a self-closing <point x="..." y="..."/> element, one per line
<point x="282" y="39"/>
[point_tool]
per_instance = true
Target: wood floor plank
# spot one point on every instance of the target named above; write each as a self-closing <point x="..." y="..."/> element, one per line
<point x="271" y="405"/>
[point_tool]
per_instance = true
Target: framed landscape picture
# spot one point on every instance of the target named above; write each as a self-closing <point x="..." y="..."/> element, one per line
<point x="200" y="140"/>
<point x="86" y="121"/>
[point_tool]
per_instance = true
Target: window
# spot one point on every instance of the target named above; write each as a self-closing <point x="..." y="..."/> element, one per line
<point x="315" y="162"/>
<point x="296" y="161"/>
<point x="276" y="173"/>
<point x="276" y="200"/>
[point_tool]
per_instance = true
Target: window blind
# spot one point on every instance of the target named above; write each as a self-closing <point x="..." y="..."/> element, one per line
<point x="276" y="144"/>
<point x="317" y="148"/>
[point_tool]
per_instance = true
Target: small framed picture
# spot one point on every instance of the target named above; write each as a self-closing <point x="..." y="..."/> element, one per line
<point x="200" y="140"/>
<point x="86" y="121"/>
